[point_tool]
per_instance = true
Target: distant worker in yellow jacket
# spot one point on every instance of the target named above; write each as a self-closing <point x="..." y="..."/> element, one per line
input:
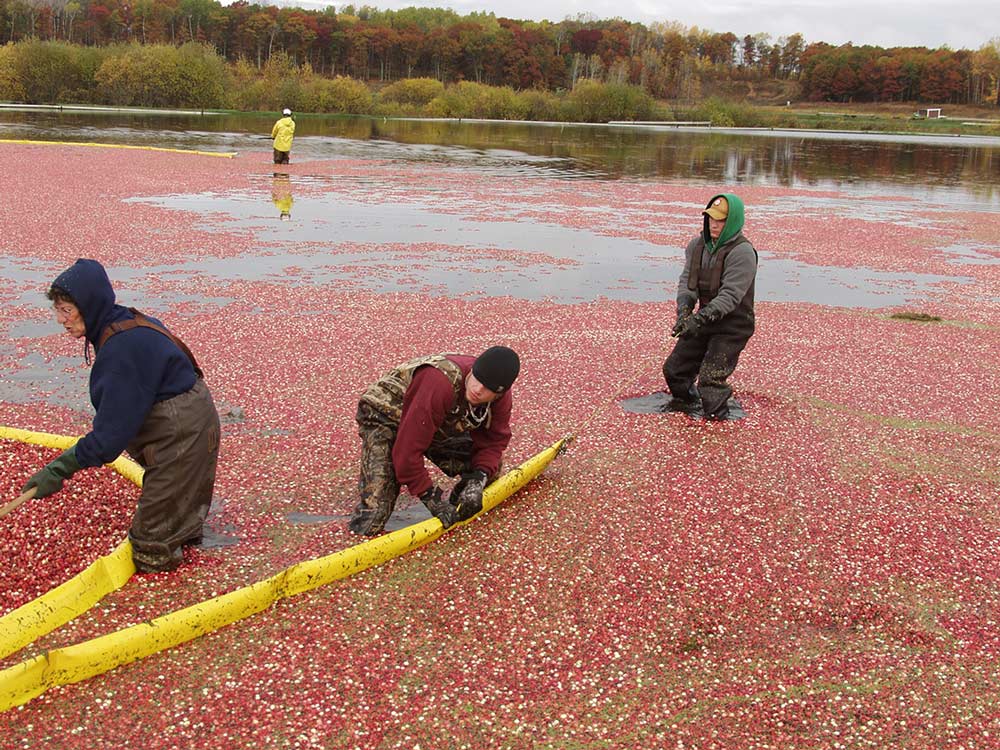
<point x="282" y="133"/>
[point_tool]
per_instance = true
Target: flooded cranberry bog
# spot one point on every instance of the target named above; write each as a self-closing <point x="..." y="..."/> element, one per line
<point x="820" y="573"/>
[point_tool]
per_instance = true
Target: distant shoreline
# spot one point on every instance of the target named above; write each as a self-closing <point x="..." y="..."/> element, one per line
<point x="687" y="126"/>
<point x="99" y="108"/>
<point x="895" y="135"/>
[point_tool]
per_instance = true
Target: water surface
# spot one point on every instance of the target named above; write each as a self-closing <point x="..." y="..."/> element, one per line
<point x="960" y="169"/>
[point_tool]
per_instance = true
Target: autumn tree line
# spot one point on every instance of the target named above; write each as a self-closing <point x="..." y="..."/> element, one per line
<point x="199" y="53"/>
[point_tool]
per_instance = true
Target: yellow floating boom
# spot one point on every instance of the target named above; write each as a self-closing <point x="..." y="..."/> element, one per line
<point x="63" y="666"/>
<point x="109" y="573"/>
<point x="224" y="155"/>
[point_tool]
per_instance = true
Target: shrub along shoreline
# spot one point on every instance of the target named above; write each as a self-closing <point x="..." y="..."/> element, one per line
<point x="194" y="76"/>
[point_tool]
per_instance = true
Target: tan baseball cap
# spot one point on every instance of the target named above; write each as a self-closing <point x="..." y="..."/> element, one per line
<point x="719" y="209"/>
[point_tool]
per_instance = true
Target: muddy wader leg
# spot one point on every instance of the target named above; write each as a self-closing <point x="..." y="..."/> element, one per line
<point x="453" y="455"/>
<point x="377" y="483"/>
<point x="723" y="353"/>
<point x="682" y="367"/>
<point x="178" y="446"/>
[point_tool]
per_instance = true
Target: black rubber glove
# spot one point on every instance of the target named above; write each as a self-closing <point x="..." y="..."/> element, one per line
<point x="50" y="480"/>
<point x="683" y="312"/>
<point x="694" y="324"/>
<point x="441" y="509"/>
<point x="468" y="494"/>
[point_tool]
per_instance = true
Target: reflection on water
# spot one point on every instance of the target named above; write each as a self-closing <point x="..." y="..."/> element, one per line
<point x="61" y="380"/>
<point x="337" y="238"/>
<point x="954" y="169"/>
<point x="281" y="195"/>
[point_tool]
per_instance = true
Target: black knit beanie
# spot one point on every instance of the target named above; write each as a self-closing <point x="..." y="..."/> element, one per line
<point x="497" y="368"/>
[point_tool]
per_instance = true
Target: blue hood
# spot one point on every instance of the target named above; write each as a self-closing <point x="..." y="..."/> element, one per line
<point x="131" y="372"/>
<point x="87" y="283"/>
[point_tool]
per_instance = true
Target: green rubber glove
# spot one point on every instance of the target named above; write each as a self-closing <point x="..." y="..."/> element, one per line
<point x="50" y="480"/>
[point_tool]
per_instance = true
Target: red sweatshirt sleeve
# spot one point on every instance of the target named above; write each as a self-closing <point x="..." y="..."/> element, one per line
<point x="489" y="443"/>
<point x="425" y="404"/>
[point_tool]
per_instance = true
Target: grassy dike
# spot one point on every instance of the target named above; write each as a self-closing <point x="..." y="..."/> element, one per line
<point x="897" y="118"/>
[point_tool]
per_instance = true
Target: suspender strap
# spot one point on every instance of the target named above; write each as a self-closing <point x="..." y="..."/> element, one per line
<point x="142" y="321"/>
<point x="695" y="270"/>
<point x="713" y="280"/>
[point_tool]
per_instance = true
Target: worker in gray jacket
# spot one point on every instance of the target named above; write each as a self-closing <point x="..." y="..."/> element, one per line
<point x="720" y="266"/>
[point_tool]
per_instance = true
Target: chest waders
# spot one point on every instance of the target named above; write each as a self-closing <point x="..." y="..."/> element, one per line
<point x="711" y="356"/>
<point x="379" y="413"/>
<point x="178" y="447"/>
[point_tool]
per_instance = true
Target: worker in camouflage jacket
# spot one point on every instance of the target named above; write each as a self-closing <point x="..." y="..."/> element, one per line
<point x="150" y="400"/>
<point x="720" y="266"/>
<point x="452" y="409"/>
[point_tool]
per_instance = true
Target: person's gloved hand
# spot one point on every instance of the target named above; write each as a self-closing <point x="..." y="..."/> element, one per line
<point x="433" y="499"/>
<point x="467" y="495"/>
<point x="683" y="313"/>
<point x="50" y="479"/>
<point x="693" y="325"/>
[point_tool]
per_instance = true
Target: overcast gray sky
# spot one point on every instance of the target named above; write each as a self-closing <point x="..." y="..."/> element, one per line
<point x="960" y="24"/>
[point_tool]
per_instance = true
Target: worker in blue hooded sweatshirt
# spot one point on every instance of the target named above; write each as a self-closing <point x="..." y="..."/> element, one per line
<point x="150" y="400"/>
<point x="720" y="267"/>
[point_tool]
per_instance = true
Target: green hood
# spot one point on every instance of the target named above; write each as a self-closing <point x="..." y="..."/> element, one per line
<point x="734" y="221"/>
